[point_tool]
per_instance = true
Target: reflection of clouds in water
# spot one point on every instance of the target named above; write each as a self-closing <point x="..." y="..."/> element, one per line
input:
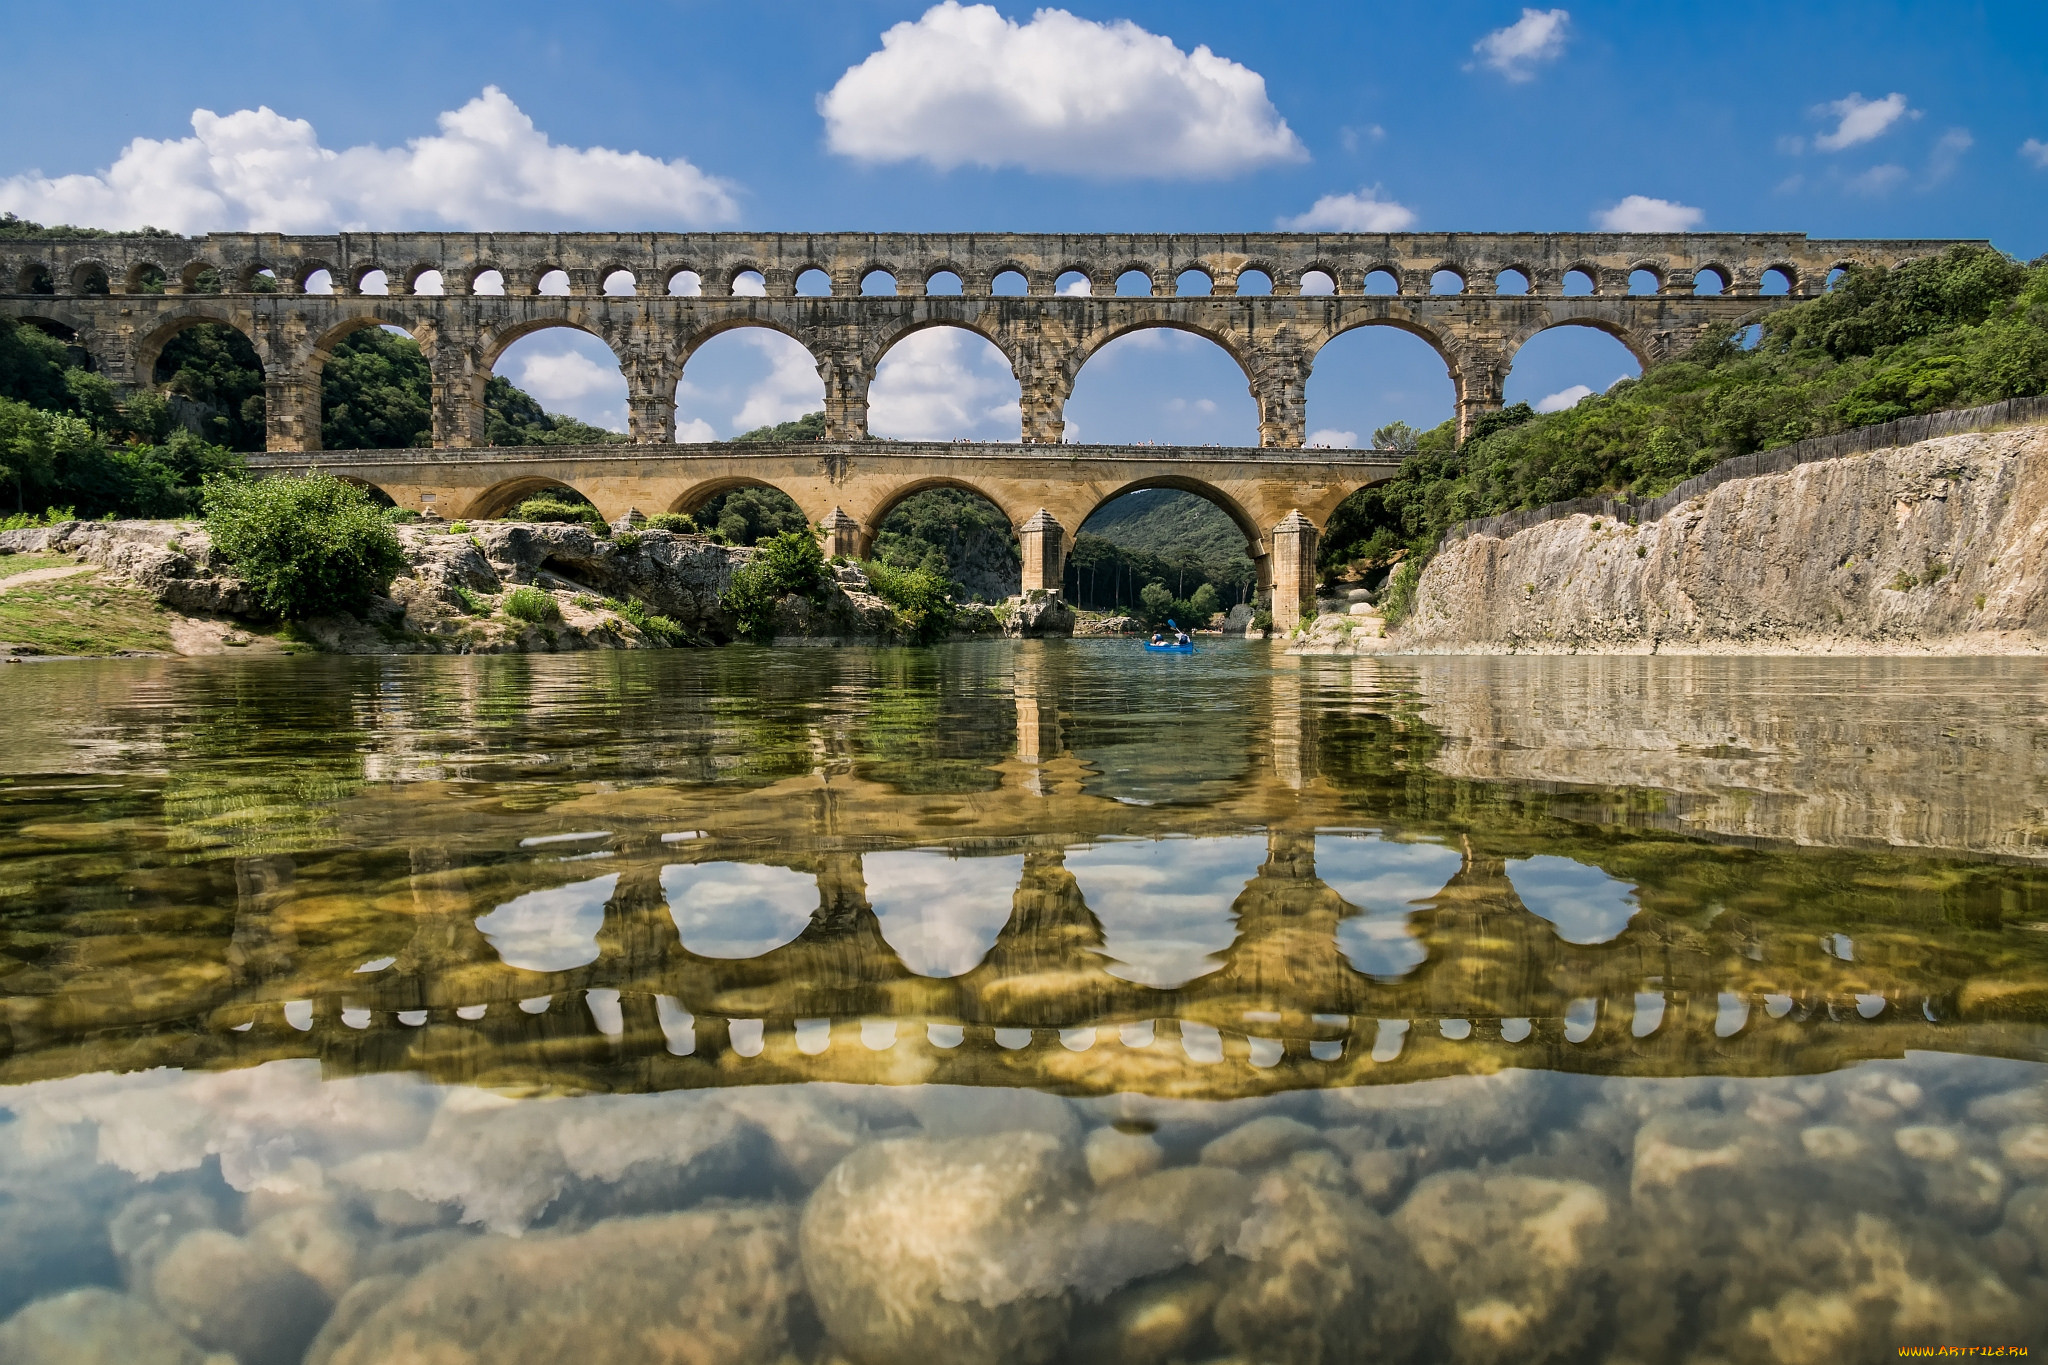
<point x="941" y="914"/>
<point x="1385" y="880"/>
<point x="1165" y="904"/>
<point x="551" y="930"/>
<point x="1584" y="903"/>
<point x="737" y="909"/>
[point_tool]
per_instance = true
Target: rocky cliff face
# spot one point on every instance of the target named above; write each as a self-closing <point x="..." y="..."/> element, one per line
<point x="449" y="600"/>
<point x="1940" y="547"/>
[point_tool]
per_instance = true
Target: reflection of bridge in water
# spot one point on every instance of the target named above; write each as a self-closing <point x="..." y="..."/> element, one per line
<point x="1050" y="997"/>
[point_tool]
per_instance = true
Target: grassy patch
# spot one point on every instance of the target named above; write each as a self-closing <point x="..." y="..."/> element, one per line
<point x="87" y="613"/>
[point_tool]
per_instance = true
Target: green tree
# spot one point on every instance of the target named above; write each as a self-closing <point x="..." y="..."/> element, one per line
<point x="809" y="427"/>
<point x="1157" y="600"/>
<point x="375" y="393"/>
<point x="794" y="563"/>
<point x="308" y="546"/>
<point x="214" y="367"/>
<point x="513" y="418"/>
<point x="751" y="514"/>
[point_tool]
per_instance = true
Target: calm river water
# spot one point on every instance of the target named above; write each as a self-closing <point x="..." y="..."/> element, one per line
<point x="1021" y="1002"/>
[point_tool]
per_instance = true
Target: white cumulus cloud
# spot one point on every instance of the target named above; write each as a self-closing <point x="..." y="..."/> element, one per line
<point x="1858" y="120"/>
<point x="1537" y="37"/>
<point x="964" y="86"/>
<point x="1640" y="213"/>
<point x="790" y="389"/>
<point x="942" y="384"/>
<point x="1564" y="398"/>
<point x="1333" y="438"/>
<point x="2036" y="151"/>
<point x="1364" y="211"/>
<point x="488" y="167"/>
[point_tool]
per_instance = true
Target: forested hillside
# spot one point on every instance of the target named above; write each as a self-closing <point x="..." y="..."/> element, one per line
<point x="1965" y="328"/>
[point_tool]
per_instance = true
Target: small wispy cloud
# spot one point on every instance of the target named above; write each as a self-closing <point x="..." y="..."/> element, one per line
<point x="1515" y="51"/>
<point x="1947" y="154"/>
<point x="2034" y="150"/>
<point x="1640" y="213"/>
<point x="1878" y="179"/>
<point x="1364" y="211"/>
<point x="1858" y="120"/>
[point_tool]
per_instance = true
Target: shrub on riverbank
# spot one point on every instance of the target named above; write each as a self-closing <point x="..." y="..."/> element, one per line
<point x="308" y="546"/>
<point x="1964" y="328"/>
<point x="920" y="596"/>
<point x="531" y="605"/>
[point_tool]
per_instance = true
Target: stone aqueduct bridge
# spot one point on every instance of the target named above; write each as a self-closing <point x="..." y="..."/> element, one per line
<point x="686" y="289"/>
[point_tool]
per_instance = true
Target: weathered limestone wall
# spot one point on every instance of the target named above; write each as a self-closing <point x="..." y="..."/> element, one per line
<point x="1940" y="547"/>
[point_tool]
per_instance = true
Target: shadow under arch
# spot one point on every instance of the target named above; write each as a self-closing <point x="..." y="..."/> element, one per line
<point x="377" y="494"/>
<point x="501" y="498"/>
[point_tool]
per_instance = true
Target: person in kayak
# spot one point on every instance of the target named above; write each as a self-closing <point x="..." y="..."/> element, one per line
<point x="1180" y="637"/>
<point x="1158" y="637"/>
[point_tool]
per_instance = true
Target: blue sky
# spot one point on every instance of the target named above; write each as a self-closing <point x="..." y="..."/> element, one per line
<point x="1846" y="119"/>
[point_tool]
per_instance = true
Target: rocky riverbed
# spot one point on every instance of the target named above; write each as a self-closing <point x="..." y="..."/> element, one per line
<point x="1935" y="548"/>
<point x="451" y="597"/>
<point x="1476" y="1220"/>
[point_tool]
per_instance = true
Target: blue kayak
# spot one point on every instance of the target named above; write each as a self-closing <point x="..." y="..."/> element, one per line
<point x="1151" y="648"/>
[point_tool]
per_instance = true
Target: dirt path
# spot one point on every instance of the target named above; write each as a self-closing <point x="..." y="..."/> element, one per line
<point x="22" y="580"/>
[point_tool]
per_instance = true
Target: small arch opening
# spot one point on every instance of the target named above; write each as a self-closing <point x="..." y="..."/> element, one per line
<point x="321" y="282"/>
<point x="214" y="382"/>
<point x="553" y="284"/>
<point x="1446" y="282"/>
<point x="1577" y="283"/>
<point x="36" y="279"/>
<point x="1709" y="280"/>
<point x="517" y="499"/>
<point x="1134" y="284"/>
<point x="1162" y="553"/>
<point x="1254" y="283"/>
<point x="1009" y="284"/>
<point x="1776" y="281"/>
<point x="147" y="279"/>
<point x="1317" y="284"/>
<point x="430" y="284"/>
<point x="750" y="284"/>
<point x="1193" y="284"/>
<point x="1382" y="282"/>
<point x="878" y="284"/>
<point x="1511" y="282"/>
<point x="1159" y="385"/>
<point x="90" y="279"/>
<point x="748" y="513"/>
<point x="374" y="283"/>
<point x="1073" y="284"/>
<point x="488" y="282"/>
<point x="944" y="284"/>
<point x="685" y="284"/>
<point x="750" y="381"/>
<point x="945" y="384"/>
<point x="620" y="284"/>
<point x="956" y="532"/>
<point x="1835" y="277"/>
<point x="813" y="284"/>
<point x="1644" y="282"/>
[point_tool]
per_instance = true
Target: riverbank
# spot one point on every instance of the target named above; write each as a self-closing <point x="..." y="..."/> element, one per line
<point x="1937" y="548"/>
<point x="158" y="587"/>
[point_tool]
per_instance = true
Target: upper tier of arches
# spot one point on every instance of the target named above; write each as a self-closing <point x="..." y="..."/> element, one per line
<point x="882" y="266"/>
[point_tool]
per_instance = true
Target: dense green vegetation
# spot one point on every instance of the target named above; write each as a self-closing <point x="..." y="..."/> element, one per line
<point x="750" y="514"/>
<point x="960" y="538"/>
<point x="809" y="427"/>
<point x="1965" y="328"/>
<point x="308" y="546"/>
<point x="789" y="563"/>
<point x="1160" y="553"/>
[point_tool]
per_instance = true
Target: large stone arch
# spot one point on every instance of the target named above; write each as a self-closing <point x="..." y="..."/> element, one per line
<point x="1092" y="343"/>
<point x="503" y="496"/>
<point x="877" y="342"/>
<point x="151" y="344"/>
<point x="1519" y="337"/>
<point x="704" y="490"/>
<point x="872" y="510"/>
<point x="1245" y="518"/>
<point x="1399" y="322"/>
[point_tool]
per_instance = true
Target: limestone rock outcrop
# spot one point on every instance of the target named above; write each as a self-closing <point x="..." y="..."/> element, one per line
<point x="1940" y="547"/>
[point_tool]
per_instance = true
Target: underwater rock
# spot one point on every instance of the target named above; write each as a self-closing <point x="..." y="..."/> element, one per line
<point x="950" y="1111"/>
<point x="1260" y="1142"/>
<point x="1521" y="1256"/>
<point x="1454" y="1120"/>
<point x="1114" y="1156"/>
<point x="812" y="1133"/>
<point x="1327" y="1275"/>
<point x="708" y="1287"/>
<point x="149" y="1225"/>
<point x="1148" y="1324"/>
<point x="96" y="1326"/>
<point x="1156" y="1223"/>
<point x="228" y="1295"/>
<point x="954" y="1249"/>
<point x="315" y="1239"/>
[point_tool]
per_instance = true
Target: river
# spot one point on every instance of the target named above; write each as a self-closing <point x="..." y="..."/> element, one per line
<point x="1022" y="1002"/>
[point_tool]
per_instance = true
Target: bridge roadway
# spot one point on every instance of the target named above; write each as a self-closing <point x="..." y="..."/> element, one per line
<point x="1280" y="499"/>
<point x="1272" y="301"/>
